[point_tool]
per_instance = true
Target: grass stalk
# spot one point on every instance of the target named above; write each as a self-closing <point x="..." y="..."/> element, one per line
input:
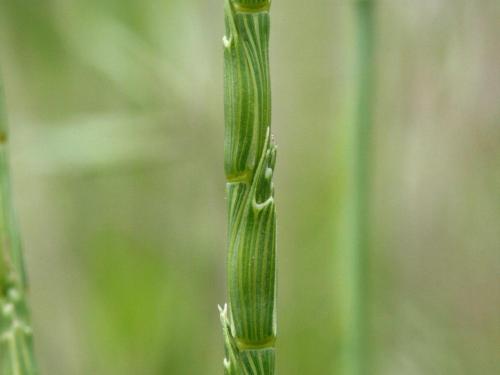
<point x="16" y="343"/>
<point x="249" y="318"/>
<point x="355" y="340"/>
<point x="353" y="185"/>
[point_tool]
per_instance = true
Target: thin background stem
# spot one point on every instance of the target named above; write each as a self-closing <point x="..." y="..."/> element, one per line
<point x="353" y="230"/>
<point x="16" y="343"/>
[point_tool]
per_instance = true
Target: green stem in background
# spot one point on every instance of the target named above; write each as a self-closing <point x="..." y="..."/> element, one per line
<point x="352" y="252"/>
<point x="249" y="319"/>
<point x="16" y="344"/>
<point x="357" y="331"/>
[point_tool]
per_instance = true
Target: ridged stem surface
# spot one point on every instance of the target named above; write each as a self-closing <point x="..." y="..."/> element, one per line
<point x="249" y="319"/>
<point x="16" y="344"/>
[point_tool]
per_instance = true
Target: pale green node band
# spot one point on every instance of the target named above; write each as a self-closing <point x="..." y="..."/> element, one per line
<point x="251" y="5"/>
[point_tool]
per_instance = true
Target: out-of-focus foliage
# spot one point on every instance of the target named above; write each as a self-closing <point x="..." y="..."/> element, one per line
<point x="115" y="111"/>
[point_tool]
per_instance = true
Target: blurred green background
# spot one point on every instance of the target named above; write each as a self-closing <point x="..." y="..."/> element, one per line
<point x="115" y="111"/>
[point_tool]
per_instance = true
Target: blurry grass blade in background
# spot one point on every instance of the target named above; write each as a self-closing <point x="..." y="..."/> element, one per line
<point x="358" y="351"/>
<point x="16" y="346"/>
<point x="249" y="323"/>
<point x="353" y="252"/>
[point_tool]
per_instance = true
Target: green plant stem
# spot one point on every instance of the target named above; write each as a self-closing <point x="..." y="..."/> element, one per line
<point x="16" y="343"/>
<point x="249" y="319"/>
<point x="356" y="340"/>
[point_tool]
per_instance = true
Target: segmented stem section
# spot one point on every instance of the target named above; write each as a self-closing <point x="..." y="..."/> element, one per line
<point x="16" y="344"/>
<point x="249" y="320"/>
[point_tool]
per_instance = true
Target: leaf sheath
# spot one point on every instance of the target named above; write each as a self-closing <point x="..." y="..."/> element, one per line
<point x="249" y="322"/>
